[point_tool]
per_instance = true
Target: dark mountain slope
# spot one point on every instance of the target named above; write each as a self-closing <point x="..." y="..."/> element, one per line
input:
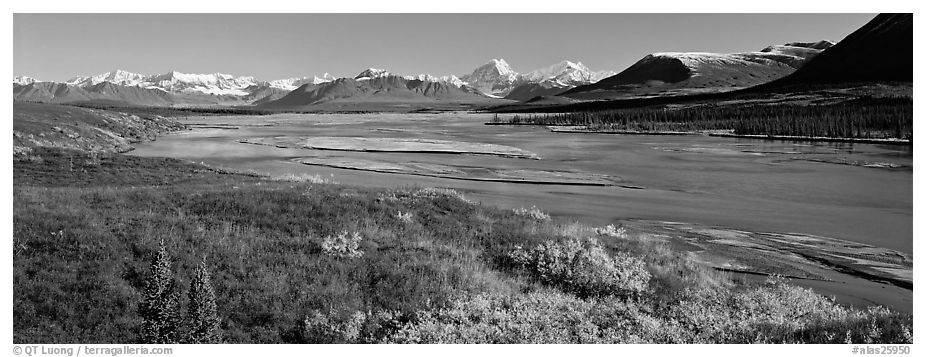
<point x="880" y="51"/>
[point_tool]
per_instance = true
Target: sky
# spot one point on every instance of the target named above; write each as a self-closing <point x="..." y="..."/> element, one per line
<point x="57" y="47"/>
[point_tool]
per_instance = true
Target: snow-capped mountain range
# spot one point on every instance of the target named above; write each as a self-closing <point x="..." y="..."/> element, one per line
<point x="371" y="73"/>
<point x="655" y="74"/>
<point x="186" y="83"/>
<point x="494" y="79"/>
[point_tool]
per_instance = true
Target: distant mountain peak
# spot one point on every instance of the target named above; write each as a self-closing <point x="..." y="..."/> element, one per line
<point x="296" y="82"/>
<point x="24" y="80"/>
<point x="372" y="73"/>
<point x="500" y="66"/>
<point x="449" y="79"/>
<point x="496" y="78"/>
<point x="327" y="77"/>
<point x="118" y="76"/>
<point x="561" y="74"/>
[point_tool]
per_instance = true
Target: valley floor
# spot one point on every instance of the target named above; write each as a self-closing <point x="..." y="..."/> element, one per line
<point x="429" y="266"/>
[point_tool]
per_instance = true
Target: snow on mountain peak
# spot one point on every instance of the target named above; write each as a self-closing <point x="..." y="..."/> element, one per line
<point x="327" y="77"/>
<point x="501" y="66"/>
<point x="494" y="77"/>
<point x="118" y="76"/>
<point x="565" y="74"/>
<point x="448" y="79"/>
<point x="24" y="80"/>
<point x="694" y="60"/>
<point x="215" y="83"/>
<point x="293" y="83"/>
<point x="819" y="45"/>
<point x="288" y="83"/>
<point x="372" y="73"/>
<point x="793" y="54"/>
<point x="497" y="78"/>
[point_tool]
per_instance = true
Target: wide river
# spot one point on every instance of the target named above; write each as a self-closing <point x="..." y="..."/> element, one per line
<point x="757" y="185"/>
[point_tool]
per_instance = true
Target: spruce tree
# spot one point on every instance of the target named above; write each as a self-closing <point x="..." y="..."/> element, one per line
<point x="161" y="309"/>
<point x="202" y="316"/>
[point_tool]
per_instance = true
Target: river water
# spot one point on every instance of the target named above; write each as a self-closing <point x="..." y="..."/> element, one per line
<point x="758" y="185"/>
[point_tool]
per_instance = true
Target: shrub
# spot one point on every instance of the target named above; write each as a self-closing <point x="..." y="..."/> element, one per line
<point x="404" y="217"/>
<point x="538" y="317"/>
<point x="532" y="213"/>
<point x="304" y="177"/>
<point x="583" y="267"/>
<point x="342" y="245"/>
<point x="349" y="326"/>
<point x="438" y="192"/>
<point x="776" y="312"/>
<point x="324" y="328"/>
<point x="772" y="313"/>
<point x="612" y="231"/>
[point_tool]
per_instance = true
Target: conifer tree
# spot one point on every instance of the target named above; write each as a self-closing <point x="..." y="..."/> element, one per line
<point x="161" y="308"/>
<point x="203" y="319"/>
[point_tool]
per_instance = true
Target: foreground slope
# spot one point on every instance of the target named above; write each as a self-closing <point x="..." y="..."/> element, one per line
<point x="431" y="266"/>
<point x="48" y="125"/>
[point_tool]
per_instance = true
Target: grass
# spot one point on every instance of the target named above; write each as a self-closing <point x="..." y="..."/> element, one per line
<point x="434" y="267"/>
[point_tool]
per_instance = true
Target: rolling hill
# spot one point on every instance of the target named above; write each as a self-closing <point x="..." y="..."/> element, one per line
<point x="60" y="126"/>
<point x="681" y="73"/>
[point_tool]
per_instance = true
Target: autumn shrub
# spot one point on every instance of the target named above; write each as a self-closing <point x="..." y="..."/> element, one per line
<point x="777" y="312"/>
<point x="437" y="192"/>
<point x="774" y="312"/>
<point x="533" y="213"/>
<point x="354" y="326"/>
<point x="404" y="217"/>
<point x="612" y="231"/>
<point x="583" y="267"/>
<point x="537" y="317"/>
<point x="343" y="245"/>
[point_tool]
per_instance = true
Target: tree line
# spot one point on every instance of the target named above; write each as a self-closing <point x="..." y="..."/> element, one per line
<point x="865" y="117"/>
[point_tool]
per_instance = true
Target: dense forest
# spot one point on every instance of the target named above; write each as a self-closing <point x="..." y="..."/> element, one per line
<point x="866" y="117"/>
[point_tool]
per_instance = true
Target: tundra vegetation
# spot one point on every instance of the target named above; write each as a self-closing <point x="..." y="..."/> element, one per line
<point x="105" y="244"/>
